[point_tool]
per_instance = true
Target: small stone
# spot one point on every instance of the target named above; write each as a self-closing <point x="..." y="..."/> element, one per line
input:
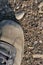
<point x="40" y="7"/>
<point x="40" y="28"/>
<point x="17" y="6"/>
<point x="19" y="15"/>
<point x="14" y="1"/>
<point x="40" y="41"/>
<point x="31" y="48"/>
<point x="35" y="42"/>
<point x="38" y="56"/>
<point x="35" y="1"/>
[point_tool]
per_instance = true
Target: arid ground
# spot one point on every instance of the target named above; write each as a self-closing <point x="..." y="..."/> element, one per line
<point x="32" y="24"/>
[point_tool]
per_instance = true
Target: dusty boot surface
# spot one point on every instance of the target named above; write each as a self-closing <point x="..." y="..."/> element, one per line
<point x="12" y="42"/>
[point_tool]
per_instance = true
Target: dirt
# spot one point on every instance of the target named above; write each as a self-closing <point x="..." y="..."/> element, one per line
<point x="32" y="24"/>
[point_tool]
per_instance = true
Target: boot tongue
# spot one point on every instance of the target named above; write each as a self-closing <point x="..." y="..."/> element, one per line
<point x="7" y="53"/>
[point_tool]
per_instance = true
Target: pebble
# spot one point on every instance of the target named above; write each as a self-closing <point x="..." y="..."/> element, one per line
<point x="35" y="1"/>
<point x="35" y="42"/>
<point x="40" y="41"/>
<point x="17" y="6"/>
<point x="38" y="56"/>
<point x="14" y="1"/>
<point x="31" y="48"/>
<point x="40" y="6"/>
<point x="19" y="15"/>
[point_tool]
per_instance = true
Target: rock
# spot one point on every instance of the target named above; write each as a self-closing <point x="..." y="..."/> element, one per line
<point x="19" y="15"/>
<point x="17" y="6"/>
<point x="14" y="1"/>
<point x="35" y="42"/>
<point x="38" y="56"/>
<point x="35" y="1"/>
<point x="31" y="48"/>
<point x="40" y="41"/>
<point x="40" y="7"/>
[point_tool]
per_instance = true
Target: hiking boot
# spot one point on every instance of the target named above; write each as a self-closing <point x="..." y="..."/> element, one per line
<point x="11" y="43"/>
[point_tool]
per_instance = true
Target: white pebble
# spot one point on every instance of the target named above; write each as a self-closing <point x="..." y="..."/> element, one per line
<point x="40" y="41"/>
<point x="19" y="15"/>
<point x="35" y="42"/>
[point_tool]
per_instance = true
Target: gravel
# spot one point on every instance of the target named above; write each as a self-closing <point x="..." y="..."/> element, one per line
<point x="31" y="23"/>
